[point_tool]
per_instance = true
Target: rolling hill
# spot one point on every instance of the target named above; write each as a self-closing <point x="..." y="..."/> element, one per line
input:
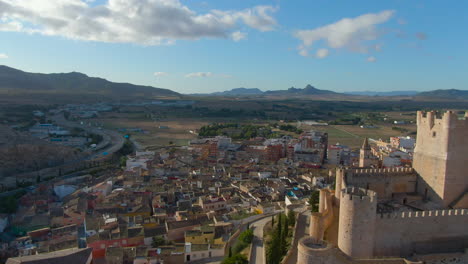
<point x="446" y="94"/>
<point x="15" y="82"/>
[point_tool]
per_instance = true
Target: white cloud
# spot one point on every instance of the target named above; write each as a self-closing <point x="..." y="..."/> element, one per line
<point x="303" y="51"/>
<point x="198" y="74"/>
<point x="237" y="36"/>
<point x="352" y="34"/>
<point x="322" y="53"/>
<point x="3" y="56"/>
<point x="378" y="47"/>
<point x="161" y="74"/>
<point x="421" y="36"/>
<point x="402" y="21"/>
<point x="145" y="22"/>
<point x="225" y="75"/>
<point x="371" y="59"/>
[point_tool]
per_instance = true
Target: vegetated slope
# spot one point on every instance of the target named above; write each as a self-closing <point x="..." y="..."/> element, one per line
<point x="19" y="152"/>
<point x="446" y="94"/>
<point x="389" y="93"/>
<point x="14" y="82"/>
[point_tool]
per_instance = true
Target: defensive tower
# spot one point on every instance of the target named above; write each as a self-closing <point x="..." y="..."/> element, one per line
<point x="441" y="156"/>
<point x="358" y="213"/>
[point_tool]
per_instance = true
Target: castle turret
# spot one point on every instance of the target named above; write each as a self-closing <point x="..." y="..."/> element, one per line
<point x="358" y="212"/>
<point x="441" y="155"/>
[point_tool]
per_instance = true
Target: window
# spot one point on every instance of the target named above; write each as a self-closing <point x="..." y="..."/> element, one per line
<point x="434" y="134"/>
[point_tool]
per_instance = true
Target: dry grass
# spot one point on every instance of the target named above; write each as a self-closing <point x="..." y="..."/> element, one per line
<point x="353" y="136"/>
<point x="178" y="131"/>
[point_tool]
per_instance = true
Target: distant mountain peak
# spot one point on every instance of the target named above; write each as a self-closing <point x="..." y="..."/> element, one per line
<point x="239" y="92"/>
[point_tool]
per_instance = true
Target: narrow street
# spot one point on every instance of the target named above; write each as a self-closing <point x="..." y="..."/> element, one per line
<point x="258" y="249"/>
<point x="302" y="229"/>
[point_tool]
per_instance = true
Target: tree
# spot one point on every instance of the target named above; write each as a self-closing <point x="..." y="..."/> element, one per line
<point x="230" y="252"/>
<point x="123" y="161"/>
<point x="272" y="221"/>
<point x="291" y="218"/>
<point x="236" y="259"/>
<point x="314" y="201"/>
<point x="246" y="236"/>
<point x="284" y="235"/>
<point x="158" y="241"/>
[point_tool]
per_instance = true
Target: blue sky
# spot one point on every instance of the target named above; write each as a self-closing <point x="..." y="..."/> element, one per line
<point x="195" y="46"/>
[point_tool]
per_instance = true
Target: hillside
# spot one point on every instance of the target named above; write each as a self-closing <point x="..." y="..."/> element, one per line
<point x="446" y="94"/>
<point x="239" y="92"/>
<point x="14" y="83"/>
<point x="390" y="93"/>
<point x="20" y="152"/>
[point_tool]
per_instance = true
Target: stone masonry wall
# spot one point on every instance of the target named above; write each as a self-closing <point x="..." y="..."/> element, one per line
<point x="423" y="232"/>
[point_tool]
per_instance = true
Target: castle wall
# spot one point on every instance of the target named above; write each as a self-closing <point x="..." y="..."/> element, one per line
<point x="357" y="221"/>
<point x="310" y="251"/>
<point x="384" y="182"/>
<point x="421" y="232"/>
<point x="440" y="156"/>
<point x="321" y="221"/>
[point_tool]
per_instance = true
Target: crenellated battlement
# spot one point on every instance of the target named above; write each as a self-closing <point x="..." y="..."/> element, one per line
<point x="394" y="171"/>
<point x="434" y="118"/>
<point x="426" y="214"/>
<point x="355" y="193"/>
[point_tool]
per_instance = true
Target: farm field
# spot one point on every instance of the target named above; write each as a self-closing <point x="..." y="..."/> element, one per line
<point x="352" y="136"/>
<point x="148" y="132"/>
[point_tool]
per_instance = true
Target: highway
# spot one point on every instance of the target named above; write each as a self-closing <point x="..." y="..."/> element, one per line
<point x="111" y="140"/>
<point x="111" y="143"/>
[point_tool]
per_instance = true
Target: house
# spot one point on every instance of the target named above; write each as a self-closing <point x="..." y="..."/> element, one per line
<point x="212" y="204"/>
<point x="150" y="233"/>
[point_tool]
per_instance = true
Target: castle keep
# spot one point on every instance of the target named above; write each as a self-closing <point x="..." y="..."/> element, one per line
<point x="440" y="157"/>
<point x="399" y="215"/>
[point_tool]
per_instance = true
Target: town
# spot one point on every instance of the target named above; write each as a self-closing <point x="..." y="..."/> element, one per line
<point x="233" y="132"/>
<point x="196" y="203"/>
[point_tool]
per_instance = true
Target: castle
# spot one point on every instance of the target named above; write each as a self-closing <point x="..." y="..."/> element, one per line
<point x="399" y="215"/>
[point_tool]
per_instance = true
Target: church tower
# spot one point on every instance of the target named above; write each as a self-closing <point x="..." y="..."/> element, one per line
<point x="365" y="155"/>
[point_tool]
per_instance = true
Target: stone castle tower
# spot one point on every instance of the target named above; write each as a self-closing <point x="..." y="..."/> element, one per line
<point x="441" y="156"/>
<point x="357" y="222"/>
<point x="365" y="155"/>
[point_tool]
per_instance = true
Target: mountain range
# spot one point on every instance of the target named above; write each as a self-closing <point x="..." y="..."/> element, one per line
<point x="17" y="82"/>
<point x="308" y="90"/>
<point x="76" y="87"/>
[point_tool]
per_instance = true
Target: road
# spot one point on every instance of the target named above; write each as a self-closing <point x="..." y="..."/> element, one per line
<point x="301" y="231"/>
<point x="111" y="143"/>
<point x="258" y="249"/>
<point x="111" y="140"/>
